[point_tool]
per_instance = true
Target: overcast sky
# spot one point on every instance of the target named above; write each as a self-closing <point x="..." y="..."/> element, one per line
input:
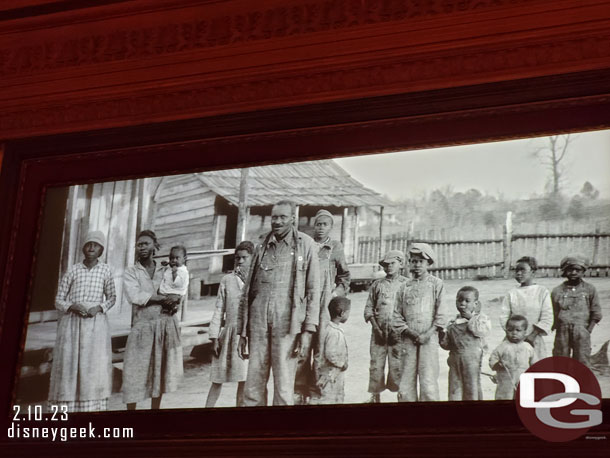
<point x="506" y="168"/>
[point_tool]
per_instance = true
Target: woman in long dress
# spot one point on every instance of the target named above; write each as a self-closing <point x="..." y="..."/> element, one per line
<point x="153" y="355"/>
<point x="81" y="375"/>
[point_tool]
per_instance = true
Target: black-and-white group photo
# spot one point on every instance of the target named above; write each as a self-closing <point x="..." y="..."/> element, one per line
<point x="429" y="275"/>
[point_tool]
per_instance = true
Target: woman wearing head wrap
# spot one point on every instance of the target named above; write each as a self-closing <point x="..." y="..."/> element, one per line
<point x="153" y="355"/>
<point x="81" y="376"/>
<point x="576" y="309"/>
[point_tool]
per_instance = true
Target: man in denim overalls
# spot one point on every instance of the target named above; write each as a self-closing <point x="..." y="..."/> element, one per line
<point x="280" y="308"/>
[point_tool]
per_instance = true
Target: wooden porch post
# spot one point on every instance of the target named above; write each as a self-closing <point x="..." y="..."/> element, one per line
<point x="380" y="231"/>
<point x="344" y="226"/>
<point x="243" y="210"/>
<point x="356" y="242"/>
<point x="507" y="243"/>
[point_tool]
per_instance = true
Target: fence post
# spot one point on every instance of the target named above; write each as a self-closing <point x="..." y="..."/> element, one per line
<point x="356" y="221"/>
<point x="507" y="232"/>
<point x="381" y="247"/>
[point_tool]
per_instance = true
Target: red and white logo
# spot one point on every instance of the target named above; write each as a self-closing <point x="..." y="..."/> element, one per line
<point x="558" y="399"/>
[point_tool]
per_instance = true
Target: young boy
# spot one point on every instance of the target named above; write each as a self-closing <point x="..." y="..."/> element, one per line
<point x="464" y="339"/>
<point x="418" y="317"/>
<point x="378" y="311"/>
<point x="330" y="377"/>
<point x="334" y="281"/>
<point x="576" y="309"/>
<point x="512" y="357"/>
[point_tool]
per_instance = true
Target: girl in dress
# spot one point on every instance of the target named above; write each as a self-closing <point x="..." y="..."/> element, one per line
<point x="227" y="366"/>
<point x="81" y="376"/>
<point x="153" y="354"/>
<point x="533" y="302"/>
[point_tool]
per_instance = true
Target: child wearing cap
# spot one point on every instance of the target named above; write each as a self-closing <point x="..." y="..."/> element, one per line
<point x="533" y="302"/>
<point x="334" y="281"/>
<point x="576" y="309"/>
<point x="378" y="311"/>
<point x="465" y="340"/>
<point x="81" y="375"/>
<point x="418" y="316"/>
<point x="330" y="368"/>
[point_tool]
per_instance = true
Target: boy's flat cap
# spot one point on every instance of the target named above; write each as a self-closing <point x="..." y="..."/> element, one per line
<point x="391" y="255"/>
<point x="425" y="250"/>
<point x="573" y="260"/>
<point x="324" y="213"/>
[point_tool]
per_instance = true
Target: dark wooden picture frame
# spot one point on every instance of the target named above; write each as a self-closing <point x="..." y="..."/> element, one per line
<point x="96" y="91"/>
<point x="563" y="103"/>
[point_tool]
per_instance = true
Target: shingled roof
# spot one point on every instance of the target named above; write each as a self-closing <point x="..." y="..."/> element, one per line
<point x="319" y="183"/>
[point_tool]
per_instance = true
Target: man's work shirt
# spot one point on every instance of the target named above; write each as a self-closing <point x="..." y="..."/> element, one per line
<point x="338" y="270"/>
<point x="275" y="281"/>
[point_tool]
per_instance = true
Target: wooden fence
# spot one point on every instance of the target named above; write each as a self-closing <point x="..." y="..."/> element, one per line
<point x="492" y="252"/>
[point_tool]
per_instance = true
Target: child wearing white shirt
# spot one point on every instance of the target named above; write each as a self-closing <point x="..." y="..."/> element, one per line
<point x="176" y="276"/>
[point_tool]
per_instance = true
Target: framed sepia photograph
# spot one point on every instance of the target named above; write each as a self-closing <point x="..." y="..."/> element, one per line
<point x="195" y="204"/>
<point x="133" y="313"/>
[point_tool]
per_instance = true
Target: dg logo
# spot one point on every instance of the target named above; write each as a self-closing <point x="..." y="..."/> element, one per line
<point x="558" y="399"/>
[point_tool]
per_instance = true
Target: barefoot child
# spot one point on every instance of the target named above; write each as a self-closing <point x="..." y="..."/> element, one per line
<point x="464" y="339"/>
<point x="418" y="317"/>
<point x="227" y="366"/>
<point x="330" y="378"/>
<point x="175" y="281"/>
<point x="81" y="376"/>
<point x="533" y="302"/>
<point x="512" y="357"/>
<point x="576" y="309"/>
<point x="378" y="311"/>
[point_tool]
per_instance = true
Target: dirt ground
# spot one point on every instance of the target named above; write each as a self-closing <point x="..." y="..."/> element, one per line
<point x="196" y="384"/>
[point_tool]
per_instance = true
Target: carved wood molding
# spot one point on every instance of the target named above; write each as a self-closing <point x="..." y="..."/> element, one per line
<point x="394" y="76"/>
<point x="139" y="62"/>
<point x="284" y="19"/>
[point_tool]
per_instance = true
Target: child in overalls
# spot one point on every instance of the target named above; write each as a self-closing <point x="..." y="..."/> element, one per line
<point x="331" y="367"/>
<point x="465" y="340"/>
<point x="418" y="317"/>
<point x="512" y="357"/>
<point x="378" y="311"/>
<point x="576" y="309"/>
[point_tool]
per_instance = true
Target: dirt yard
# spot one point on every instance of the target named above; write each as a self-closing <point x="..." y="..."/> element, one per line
<point x="196" y="383"/>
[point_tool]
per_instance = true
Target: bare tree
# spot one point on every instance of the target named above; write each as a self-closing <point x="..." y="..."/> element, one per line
<point x="551" y="155"/>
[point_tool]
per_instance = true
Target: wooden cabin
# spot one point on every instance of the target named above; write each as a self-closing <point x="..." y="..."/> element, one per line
<point x="200" y="210"/>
